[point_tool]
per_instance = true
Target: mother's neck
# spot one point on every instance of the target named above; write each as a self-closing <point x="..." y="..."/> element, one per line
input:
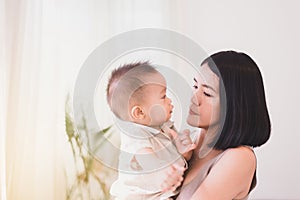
<point x="206" y="140"/>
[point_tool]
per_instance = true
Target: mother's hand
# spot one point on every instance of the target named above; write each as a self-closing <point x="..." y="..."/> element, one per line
<point x="173" y="177"/>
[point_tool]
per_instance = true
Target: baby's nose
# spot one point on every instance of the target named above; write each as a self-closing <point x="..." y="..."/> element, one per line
<point x="170" y="100"/>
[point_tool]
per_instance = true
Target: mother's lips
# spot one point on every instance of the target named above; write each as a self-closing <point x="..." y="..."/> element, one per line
<point x="191" y="111"/>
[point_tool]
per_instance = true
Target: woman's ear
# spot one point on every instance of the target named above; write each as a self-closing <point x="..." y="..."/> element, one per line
<point x="137" y="113"/>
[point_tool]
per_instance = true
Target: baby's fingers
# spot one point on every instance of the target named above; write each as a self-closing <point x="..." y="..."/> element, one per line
<point x="186" y="131"/>
<point x="173" y="178"/>
<point x="186" y="141"/>
<point x="191" y="147"/>
<point x="173" y="133"/>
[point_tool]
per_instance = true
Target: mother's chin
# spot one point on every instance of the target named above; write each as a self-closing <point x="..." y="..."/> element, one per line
<point x="193" y="119"/>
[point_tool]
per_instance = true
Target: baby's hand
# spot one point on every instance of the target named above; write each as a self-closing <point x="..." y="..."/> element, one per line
<point x="183" y="141"/>
<point x="172" y="177"/>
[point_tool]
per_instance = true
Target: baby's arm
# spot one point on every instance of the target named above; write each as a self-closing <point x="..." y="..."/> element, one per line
<point x="147" y="159"/>
<point x="169" y="178"/>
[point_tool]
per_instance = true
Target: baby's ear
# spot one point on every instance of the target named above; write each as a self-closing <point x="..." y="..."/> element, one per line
<point x="137" y="112"/>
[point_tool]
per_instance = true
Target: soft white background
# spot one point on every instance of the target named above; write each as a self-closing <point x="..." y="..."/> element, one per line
<point x="44" y="43"/>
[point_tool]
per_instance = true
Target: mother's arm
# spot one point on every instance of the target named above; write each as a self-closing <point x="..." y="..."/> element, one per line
<point x="230" y="178"/>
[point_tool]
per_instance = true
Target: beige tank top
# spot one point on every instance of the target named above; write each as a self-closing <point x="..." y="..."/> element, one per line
<point x="189" y="189"/>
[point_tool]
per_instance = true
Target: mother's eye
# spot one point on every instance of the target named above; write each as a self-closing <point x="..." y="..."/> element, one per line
<point x="195" y="86"/>
<point x="206" y="94"/>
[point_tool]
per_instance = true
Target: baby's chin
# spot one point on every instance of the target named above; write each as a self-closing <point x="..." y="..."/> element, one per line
<point x="159" y="120"/>
<point x="160" y="123"/>
<point x="168" y="118"/>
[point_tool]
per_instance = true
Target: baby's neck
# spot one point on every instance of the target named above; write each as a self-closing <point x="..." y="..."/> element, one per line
<point x="157" y="127"/>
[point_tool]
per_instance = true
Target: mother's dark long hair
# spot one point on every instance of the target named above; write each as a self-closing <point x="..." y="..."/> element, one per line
<point x="246" y="119"/>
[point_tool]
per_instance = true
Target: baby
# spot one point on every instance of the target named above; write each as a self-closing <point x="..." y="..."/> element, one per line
<point x="136" y="94"/>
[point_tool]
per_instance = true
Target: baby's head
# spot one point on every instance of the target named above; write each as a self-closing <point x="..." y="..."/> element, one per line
<point x="136" y="92"/>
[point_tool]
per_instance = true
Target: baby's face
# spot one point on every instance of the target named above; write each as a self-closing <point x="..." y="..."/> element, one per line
<point x="157" y="106"/>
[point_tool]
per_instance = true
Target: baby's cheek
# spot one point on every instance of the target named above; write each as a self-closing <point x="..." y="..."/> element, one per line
<point x="157" y="114"/>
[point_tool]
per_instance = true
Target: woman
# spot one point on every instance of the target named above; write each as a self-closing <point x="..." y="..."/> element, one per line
<point x="230" y="108"/>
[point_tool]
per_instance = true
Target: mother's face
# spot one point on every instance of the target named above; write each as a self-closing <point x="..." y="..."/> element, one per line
<point x="205" y="103"/>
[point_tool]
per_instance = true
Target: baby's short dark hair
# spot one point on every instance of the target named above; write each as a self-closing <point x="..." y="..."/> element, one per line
<point x="124" y="84"/>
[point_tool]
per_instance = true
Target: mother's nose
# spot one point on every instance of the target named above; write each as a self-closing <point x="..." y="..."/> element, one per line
<point x="195" y="99"/>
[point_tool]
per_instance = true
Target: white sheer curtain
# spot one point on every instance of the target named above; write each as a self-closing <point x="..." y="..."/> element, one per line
<point x="3" y="95"/>
<point x="34" y="127"/>
<point x="43" y="44"/>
